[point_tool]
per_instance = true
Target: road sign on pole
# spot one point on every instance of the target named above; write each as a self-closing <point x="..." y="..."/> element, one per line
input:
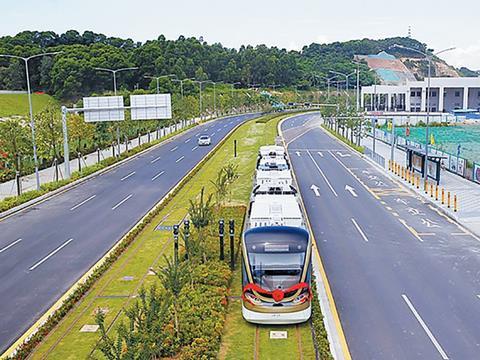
<point x="151" y="107"/>
<point x="104" y="108"/>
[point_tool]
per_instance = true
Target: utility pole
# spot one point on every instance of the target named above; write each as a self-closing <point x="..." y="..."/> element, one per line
<point x="32" y="122"/>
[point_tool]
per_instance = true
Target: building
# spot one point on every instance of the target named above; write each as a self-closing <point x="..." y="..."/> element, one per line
<point x="446" y="95"/>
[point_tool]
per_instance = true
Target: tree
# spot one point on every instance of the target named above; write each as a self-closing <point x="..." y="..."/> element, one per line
<point x="15" y="141"/>
<point x="174" y="276"/>
<point x="79" y="130"/>
<point x="49" y="132"/>
<point x="201" y="215"/>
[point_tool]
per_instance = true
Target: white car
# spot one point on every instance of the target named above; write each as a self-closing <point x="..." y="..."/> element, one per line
<point x="204" y="140"/>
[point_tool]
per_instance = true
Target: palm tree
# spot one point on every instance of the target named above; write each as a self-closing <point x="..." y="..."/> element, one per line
<point x="201" y="215"/>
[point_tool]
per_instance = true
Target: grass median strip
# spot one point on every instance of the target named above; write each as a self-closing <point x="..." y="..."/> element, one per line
<point x="111" y="292"/>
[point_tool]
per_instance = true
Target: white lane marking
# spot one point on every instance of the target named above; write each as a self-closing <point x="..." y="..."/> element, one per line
<point x="319" y="153"/>
<point x="156" y="176"/>
<point x="298" y="153"/>
<point x="351" y="190"/>
<point x="83" y="202"/>
<point x="315" y="190"/>
<point x="175" y="148"/>
<point x="225" y="125"/>
<point x="213" y="133"/>
<point x="425" y="327"/>
<point x="50" y="255"/>
<point x="155" y="160"/>
<point x="459" y="234"/>
<point x="10" y="245"/>
<point x="359" y="230"/>
<point x="411" y="229"/>
<point x="121" y="202"/>
<point x="127" y="176"/>
<point x="195" y="148"/>
<point x="180" y="159"/>
<point x="186" y="141"/>
<point x="323" y="175"/>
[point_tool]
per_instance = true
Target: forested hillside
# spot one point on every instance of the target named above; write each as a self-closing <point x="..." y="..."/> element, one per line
<point x="72" y="74"/>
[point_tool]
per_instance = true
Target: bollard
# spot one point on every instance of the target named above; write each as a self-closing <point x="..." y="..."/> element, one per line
<point x="443" y="196"/>
<point x="231" y="231"/>
<point x="403" y="173"/>
<point x="418" y="182"/>
<point x="436" y="192"/>
<point x="175" y="243"/>
<point x="221" y="231"/>
<point x="425" y="187"/>
<point x="389" y="165"/>
<point x="455" y="203"/>
<point x="408" y="176"/>
<point x="448" y="199"/>
<point x="431" y="190"/>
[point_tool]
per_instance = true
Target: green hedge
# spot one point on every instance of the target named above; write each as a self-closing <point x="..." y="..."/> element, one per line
<point x="320" y="336"/>
<point x="360" y="149"/>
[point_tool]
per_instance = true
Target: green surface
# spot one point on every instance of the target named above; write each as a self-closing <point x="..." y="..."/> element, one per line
<point x="17" y="104"/>
<point x="111" y="291"/>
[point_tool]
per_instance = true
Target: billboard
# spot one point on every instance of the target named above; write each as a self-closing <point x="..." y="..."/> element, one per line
<point x="103" y="108"/>
<point x="151" y="107"/>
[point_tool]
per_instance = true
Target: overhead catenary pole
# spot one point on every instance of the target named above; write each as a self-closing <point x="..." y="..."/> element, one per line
<point x="32" y="122"/>
<point x="66" y="151"/>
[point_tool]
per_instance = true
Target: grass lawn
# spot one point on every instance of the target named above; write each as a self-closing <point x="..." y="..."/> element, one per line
<point x="112" y="292"/>
<point x="17" y="104"/>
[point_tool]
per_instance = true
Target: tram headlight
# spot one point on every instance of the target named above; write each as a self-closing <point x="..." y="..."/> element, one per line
<point x="303" y="297"/>
<point x="252" y="299"/>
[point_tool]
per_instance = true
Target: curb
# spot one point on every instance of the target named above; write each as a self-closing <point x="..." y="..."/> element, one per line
<point x="62" y="189"/>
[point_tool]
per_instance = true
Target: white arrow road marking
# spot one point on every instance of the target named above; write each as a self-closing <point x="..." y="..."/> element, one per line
<point x="398" y="200"/>
<point x="158" y="175"/>
<point x="425" y="327"/>
<point x="155" y="160"/>
<point x="121" y="202"/>
<point x="430" y="223"/>
<point x="342" y="155"/>
<point x="319" y="153"/>
<point x="83" y="202"/>
<point x="180" y="159"/>
<point x="323" y="175"/>
<point x="10" y="245"/>
<point x="298" y="153"/>
<point x="50" y="255"/>
<point x="315" y="189"/>
<point x="359" y="230"/>
<point x="127" y="176"/>
<point x="351" y="190"/>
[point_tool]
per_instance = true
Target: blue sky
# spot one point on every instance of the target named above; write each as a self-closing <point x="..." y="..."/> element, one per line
<point x="289" y="24"/>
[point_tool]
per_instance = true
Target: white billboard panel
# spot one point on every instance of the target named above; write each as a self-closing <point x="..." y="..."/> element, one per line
<point x="151" y="107"/>
<point x="104" y="108"/>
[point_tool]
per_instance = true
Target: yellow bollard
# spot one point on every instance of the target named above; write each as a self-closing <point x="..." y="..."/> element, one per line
<point x="398" y="169"/>
<point x="443" y="196"/>
<point x="418" y="182"/>
<point x="448" y="199"/>
<point x="407" y="176"/>
<point x="431" y="190"/>
<point x="455" y="203"/>
<point x="425" y="187"/>
<point x="436" y="192"/>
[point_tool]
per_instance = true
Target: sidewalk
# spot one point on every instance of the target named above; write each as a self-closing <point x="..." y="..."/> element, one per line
<point x="9" y="188"/>
<point x="468" y="193"/>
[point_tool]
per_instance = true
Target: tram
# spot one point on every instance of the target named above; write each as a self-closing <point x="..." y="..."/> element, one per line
<point x="276" y="252"/>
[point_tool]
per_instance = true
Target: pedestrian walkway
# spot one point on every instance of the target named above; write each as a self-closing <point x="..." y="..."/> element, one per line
<point x="9" y="188"/>
<point x="468" y="192"/>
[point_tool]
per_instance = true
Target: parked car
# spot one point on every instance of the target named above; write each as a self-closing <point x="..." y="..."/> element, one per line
<point x="204" y="140"/>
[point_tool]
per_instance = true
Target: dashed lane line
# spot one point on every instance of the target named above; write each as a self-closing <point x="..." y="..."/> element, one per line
<point x="83" y="202"/>
<point x="359" y="229"/>
<point x="158" y="175"/>
<point x="127" y="176"/>
<point x="10" y="245"/>
<point x="121" y="202"/>
<point x="180" y="159"/>
<point x="33" y="267"/>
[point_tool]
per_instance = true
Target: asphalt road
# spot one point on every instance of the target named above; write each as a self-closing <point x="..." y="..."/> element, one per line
<point x="405" y="279"/>
<point x="46" y="248"/>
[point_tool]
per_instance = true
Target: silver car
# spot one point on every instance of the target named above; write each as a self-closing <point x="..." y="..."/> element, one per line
<point x="204" y="140"/>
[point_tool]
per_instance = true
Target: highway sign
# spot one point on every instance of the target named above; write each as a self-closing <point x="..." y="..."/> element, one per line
<point x="103" y="108"/>
<point x="151" y="107"/>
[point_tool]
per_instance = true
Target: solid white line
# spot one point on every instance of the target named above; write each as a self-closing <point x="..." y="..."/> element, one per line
<point x="425" y="327"/>
<point x="155" y="160"/>
<point x="323" y="175"/>
<point x="175" y="148"/>
<point x="359" y="230"/>
<point x="121" y="202"/>
<point x="195" y="148"/>
<point x="180" y="159"/>
<point x="50" y="255"/>
<point x="156" y="176"/>
<point x="127" y="176"/>
<point x="83" y="202"/>
<point x="186" y="141"/>
<point x="9" y="246"/>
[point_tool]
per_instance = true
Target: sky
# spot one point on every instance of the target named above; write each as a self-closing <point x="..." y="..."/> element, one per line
<point x="287" y="24"/>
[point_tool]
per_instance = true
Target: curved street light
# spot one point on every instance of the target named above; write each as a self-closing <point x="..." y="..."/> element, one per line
<point x="32" y="123"/>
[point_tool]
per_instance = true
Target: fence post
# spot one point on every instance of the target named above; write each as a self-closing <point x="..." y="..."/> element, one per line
<point x="221" y="228"/>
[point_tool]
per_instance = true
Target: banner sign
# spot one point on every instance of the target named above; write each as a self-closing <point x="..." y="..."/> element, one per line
<point x="103" y="108"/>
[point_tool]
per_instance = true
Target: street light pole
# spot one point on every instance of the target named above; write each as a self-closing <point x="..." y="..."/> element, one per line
<point x="429" y="59"/>
<point x="157" y="78"/>
<point x="32" y="122"/>
<point x="346" y="88"/>
<point x="114" y="72"/>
